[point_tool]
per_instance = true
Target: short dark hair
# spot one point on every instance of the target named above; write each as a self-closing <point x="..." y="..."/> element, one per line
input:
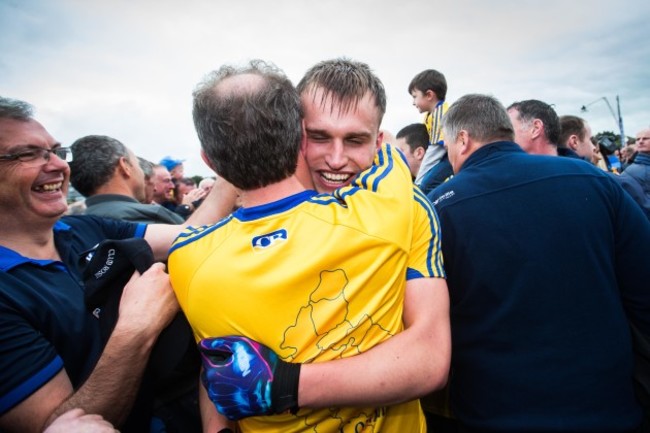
<point x="15" y="109"/>
<point x="430" y="79"/>
<point x="415" y="134"/>
<point x="571" y="125"/>
<point x="532" y="109"/>
<point x="251" y="134"/>
<point x="345" y="81"/>
<point x="95" y="158"/>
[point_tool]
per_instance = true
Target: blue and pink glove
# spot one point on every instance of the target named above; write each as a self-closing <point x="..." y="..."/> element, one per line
<point x="245" y="378"/>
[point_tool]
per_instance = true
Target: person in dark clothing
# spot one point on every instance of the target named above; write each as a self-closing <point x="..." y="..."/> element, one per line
<point x="546" y="262"/>
<point x="52" y="354"/>
<point x="111" y="178"/>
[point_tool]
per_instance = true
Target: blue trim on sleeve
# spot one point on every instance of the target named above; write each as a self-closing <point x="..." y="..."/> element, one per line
<point x="383" y="166"/>
<point x="140" y="230"/>
<point x="194" y="233"/>
<point x="27" y="388"/>
<point x="412" y="274"/>
<point x="435" y="243"/>
<point x="388" y="169"/>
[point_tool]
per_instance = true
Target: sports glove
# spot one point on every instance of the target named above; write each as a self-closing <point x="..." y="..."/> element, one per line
<point x="244" y="378"/>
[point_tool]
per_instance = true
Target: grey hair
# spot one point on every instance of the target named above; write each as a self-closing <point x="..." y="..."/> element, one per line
<point x="483" y="117"/>
<point x="15" y="109"/>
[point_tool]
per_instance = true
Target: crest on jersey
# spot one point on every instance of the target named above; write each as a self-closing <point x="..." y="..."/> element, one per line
<point x="270" y="239"/>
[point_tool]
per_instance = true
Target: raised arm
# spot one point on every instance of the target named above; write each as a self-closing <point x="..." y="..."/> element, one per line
<point x="218" y="204"/>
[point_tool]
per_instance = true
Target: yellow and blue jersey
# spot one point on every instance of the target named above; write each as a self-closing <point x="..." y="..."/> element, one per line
<point x="315" y="278"/>
<point x="433" y="122"/>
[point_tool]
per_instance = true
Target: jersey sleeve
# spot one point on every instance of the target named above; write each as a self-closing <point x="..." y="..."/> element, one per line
<point x="379" y="198"/>
<point x="425" y="255"/>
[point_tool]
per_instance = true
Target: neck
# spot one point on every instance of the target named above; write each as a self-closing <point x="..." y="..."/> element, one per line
<point x="37" y="242"/>
<point x="273" y="192"/>
<point x="544" y="148"/>
<point x="115" y="187"/>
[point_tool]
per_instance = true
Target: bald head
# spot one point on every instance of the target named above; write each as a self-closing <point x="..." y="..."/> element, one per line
<point x="643" y="141"/>
<point x="249" y="123"/>
<point x="235" y="86"/>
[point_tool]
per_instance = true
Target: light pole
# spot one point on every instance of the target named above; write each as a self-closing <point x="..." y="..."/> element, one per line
<point x="618" y="119"/>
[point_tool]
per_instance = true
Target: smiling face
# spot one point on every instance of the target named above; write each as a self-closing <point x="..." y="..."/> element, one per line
<point x="163" y="186"/>
<point x="338" y="145"/>
<point x="31" y="193"/>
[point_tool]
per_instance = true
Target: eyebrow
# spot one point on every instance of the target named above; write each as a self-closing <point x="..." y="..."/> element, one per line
<point x="360" y="134"/>
<point x="22" y="147"/>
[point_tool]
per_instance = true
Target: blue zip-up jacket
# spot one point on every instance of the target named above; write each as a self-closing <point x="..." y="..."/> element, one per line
<point x="547" y="263"/>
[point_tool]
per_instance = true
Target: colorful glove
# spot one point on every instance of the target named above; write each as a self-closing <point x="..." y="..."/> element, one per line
<point x="245" y="378"/>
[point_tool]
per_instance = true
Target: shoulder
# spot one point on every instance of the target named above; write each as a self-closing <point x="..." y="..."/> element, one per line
<point x="193" y="235"/>
<point x="93" y="226"/>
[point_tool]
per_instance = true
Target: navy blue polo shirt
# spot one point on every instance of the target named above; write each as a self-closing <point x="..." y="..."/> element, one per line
<point x="547" y="264"/>
<point x="44" y="325"/>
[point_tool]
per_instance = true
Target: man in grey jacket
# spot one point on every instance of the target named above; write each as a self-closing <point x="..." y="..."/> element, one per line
<point x="109" y="175"/>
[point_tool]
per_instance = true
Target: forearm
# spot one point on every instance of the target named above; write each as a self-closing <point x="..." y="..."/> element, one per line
<point x="382" y="376"/>
<point x="218" y="204"/>
<point x="404" y="367"/>
<point x="111" y="389"/>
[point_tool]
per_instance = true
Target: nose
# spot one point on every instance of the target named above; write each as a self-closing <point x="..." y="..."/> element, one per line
<point x="336" y="157"/>
<point x="55" y="162"/>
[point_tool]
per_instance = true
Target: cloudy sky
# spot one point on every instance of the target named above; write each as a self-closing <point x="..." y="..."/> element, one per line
<point x="127" y="68"/>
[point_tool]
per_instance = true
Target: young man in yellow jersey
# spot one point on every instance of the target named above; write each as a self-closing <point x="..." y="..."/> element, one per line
<point x="294" y="279"/>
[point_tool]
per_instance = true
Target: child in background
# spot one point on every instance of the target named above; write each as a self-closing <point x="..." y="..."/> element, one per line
<point x="429" y="90"/>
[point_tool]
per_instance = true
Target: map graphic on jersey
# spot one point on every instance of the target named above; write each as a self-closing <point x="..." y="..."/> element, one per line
<point x="327" y="316"/>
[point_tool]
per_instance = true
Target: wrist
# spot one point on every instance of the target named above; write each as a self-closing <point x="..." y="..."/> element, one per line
<point x="284" y="394"/>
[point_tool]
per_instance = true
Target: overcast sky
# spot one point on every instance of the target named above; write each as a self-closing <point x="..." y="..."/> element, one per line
<point x="127" y="68"/>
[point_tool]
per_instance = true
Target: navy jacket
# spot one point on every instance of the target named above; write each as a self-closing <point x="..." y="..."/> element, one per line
<point x="547" y="261"/>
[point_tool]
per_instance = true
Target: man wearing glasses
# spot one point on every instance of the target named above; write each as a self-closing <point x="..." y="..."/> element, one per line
<point x="52" y="358"/>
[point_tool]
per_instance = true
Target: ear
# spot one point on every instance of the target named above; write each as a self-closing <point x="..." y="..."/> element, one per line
<point x="572" y="143"/>
<point x="419" y="152"/>
<point x="380" y="139"/>
<point x="537" y="128"/>
<point x="465" y="145"/>
<point x="429" y="94"/>
<point x="124" y="166"/>
<point x="207" y="161"/>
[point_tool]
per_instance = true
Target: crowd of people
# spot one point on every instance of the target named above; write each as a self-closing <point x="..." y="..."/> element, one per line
<point x="481" y="271"/>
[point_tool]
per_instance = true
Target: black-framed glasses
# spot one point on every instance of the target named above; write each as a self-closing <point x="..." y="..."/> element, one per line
<point x="36" y="156"/>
